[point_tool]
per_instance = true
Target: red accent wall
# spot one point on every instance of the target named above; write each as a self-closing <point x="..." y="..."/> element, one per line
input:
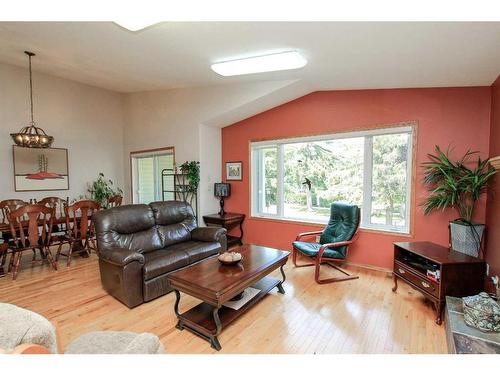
<point x="493" y="211"/>
<point x="460" y="116"/>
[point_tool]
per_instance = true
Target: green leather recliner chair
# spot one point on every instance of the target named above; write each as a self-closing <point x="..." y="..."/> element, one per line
<point x="335" y="238"/>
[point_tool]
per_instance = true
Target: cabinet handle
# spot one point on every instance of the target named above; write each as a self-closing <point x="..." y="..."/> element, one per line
<point x="425" y="285"/>
<point x="401" y="271"/>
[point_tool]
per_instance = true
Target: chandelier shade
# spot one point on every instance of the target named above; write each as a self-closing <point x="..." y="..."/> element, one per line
<point x="31" y="135"/>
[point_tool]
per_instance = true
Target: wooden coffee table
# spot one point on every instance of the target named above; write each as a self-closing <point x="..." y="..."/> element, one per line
<point x="215" y="284"/>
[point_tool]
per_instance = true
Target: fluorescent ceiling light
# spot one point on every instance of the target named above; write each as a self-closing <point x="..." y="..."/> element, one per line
<point x="258" y="64"/>
<point x="134" y="24"/>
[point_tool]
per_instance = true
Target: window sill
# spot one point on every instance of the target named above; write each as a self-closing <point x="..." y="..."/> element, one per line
<point x="322" y="225"/>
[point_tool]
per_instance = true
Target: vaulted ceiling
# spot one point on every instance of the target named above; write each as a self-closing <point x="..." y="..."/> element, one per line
<point x="345" y="55"/>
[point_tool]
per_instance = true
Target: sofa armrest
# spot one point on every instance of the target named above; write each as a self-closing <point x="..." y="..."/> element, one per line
<point x="120" y="256"/>
<point x="208" y="234"/>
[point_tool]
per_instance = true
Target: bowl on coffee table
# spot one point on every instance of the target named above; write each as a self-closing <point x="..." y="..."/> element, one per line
<point x="230" y="258"/>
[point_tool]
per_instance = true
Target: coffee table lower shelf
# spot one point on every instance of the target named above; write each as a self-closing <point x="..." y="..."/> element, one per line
<point x="207" y="321"/>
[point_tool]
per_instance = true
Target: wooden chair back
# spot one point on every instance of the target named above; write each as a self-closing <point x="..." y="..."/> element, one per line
<point x="25" y="223"/>
<point x="9" y="205"/>
<point x="55" y="203"/>
<point x="115" y="201"/>
<point x="79" y="218"/>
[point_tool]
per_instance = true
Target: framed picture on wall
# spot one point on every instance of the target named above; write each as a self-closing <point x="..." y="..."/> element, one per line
<point x="234" y="171"/>
<point x="40" y="169"/>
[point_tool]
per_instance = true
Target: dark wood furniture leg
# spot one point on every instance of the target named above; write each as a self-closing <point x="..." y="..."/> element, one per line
<point x="439" y="308"/>
<point x="214" y="341"/>
<point x="241" y="233"/>
<point x="179" y="325"/>
<point x="395" y="283"/>
<point x="280" y="285"/>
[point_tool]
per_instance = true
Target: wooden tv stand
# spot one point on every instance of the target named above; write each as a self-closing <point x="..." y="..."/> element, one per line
<point x="461" y="274"/>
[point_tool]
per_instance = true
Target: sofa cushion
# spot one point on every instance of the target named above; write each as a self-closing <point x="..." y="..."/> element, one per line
<point x="172" y="212"/>
<point x="130" y="227"/>
<point x="198" y="250"/>
<point x="173" y="233"/>
<point x="176" y="256"/>
<point x="163" y="261"/>
<point x="311" y="249"/>
<point x="175" y="220"/>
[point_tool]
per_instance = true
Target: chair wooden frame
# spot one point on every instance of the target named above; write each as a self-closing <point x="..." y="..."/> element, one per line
<point x="36" y="217"/>
<point x="79" y="231"/>
<point x="115" y="201"/>
<point x="6" y="206"/>
<point x="319" y="259"/>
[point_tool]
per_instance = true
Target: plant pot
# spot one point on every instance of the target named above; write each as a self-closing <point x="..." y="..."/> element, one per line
<point x="466" y="238"/>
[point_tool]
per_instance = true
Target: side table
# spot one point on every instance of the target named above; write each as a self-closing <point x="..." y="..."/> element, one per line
<point x="228" y="221"/>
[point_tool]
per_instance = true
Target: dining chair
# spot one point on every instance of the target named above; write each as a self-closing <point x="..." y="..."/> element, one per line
<point x="59" y="230"/>
<point x="115" y="201"/>
<point x="25" y="223"/>
<point x="7" y="206"/>
<point x="80" y="232"/>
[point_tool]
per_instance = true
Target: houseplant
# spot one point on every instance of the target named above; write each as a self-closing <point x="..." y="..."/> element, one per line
<point x="192" y="170"/>
<point x="102" y="189"/>
<point x="455" y="185"/>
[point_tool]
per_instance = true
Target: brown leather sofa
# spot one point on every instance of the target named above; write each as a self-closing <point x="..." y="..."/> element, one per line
<point x="139" y="245"/>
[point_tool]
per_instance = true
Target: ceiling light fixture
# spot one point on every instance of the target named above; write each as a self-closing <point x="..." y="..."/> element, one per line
<point x="31" y="136"/>
<point x="259" y="64"/>
<point x="134" y="24"/>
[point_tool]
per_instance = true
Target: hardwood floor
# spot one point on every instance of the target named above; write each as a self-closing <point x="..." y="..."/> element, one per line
<point x="358" y="316"/>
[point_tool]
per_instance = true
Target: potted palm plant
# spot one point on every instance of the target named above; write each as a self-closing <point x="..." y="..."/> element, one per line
<point x="455" y="185"/>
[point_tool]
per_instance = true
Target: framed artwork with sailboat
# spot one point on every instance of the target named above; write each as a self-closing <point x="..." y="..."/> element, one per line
<point x="40" y="169"/>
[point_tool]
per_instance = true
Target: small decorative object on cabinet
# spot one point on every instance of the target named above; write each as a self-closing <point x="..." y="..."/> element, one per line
<point x="234" y="171"/>
<point x="228" y="220"/>
<point x="437" y="271"/>
<point x="455" y="185"/>
<point x="222" y="191"/>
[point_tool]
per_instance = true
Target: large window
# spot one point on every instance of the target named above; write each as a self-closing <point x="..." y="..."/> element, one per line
<point x="297" y="179"/>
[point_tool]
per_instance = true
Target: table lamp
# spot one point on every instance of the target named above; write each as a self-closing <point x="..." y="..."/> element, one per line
<point x="222" y="190"/>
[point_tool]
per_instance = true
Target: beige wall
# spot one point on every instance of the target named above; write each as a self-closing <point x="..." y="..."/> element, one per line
<point x="88" y="121"/>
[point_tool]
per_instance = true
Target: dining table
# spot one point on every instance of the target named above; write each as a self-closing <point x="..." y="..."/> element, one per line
<point x="5" y="228"/>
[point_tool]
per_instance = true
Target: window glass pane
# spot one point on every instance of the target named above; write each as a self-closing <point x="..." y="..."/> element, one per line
<point x="319" y="173"/>
<point x="145" y="180"/>
<point x="389" y="180"/>
<point x="267" y="180"/>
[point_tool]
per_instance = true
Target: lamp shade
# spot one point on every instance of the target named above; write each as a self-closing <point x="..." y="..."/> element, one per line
<point x="222" y="189"/>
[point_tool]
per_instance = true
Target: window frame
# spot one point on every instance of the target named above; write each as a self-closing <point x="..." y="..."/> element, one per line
<point x="368" y="134"/>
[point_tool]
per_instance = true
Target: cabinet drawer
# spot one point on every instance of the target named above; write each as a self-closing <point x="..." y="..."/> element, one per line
<point x="420" y="281"/>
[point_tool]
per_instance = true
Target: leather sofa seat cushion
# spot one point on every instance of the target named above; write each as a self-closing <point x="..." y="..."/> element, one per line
<point x="198" y="250"/>
<point x="311" y="249"/>
<point x="162" y="261"/>
<point x="176" y="256"/>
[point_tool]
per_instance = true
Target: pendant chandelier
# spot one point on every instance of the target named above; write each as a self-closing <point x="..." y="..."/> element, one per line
<point x="31" y="135"/>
